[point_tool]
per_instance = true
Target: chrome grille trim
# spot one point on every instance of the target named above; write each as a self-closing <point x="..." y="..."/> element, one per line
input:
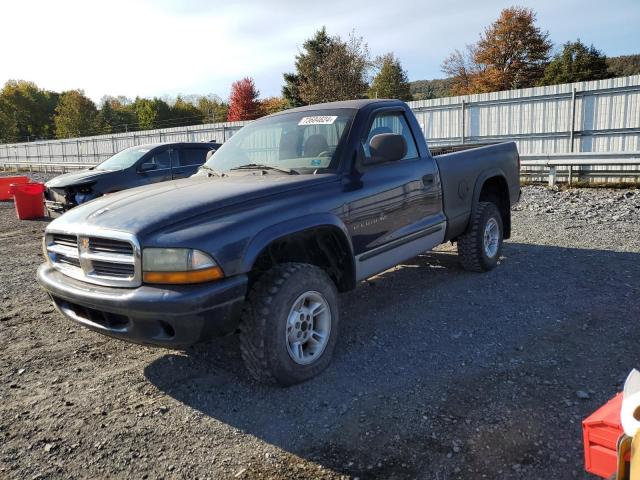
<point x="99" y="256"/>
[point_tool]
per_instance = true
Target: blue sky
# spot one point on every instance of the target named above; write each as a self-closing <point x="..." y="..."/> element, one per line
<point x="167" y="47"/>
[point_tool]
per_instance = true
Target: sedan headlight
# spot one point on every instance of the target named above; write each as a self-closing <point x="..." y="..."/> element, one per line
<point x="178" y="265"/>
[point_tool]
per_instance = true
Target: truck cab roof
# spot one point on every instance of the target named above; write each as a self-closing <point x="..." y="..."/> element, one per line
<point x="347" y="104"/>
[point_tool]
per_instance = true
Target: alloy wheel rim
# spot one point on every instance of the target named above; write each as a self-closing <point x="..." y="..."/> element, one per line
<point x="308" y="328"/>
<point x="491" y="238"/>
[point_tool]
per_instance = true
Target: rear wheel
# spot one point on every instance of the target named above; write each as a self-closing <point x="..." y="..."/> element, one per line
<point x="290" y="324"/>
<point x="480" y="247"/>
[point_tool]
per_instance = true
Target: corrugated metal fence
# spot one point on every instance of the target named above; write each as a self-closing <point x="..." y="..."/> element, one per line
<point x="597" y="116"/>
<point x="92" y="150"/>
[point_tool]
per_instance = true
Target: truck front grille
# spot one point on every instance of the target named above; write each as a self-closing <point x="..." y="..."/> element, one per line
<point x="66" y="240"/>
<point x="107" y="245"/>
<point x="113" y="269"/>
<point x="96" y="259"/>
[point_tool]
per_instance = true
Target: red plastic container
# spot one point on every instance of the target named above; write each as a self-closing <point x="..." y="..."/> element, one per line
<point x="5" y="183"/>
<point x="600" y="432"/>
<point x="29" y="200"/>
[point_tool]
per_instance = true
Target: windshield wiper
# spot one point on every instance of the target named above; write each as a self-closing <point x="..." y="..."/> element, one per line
<point x="258" y="166"/>
<point x="212" y="170"/>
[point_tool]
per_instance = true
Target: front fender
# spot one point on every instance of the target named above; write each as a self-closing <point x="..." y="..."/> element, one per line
<point x="265" y="237"/>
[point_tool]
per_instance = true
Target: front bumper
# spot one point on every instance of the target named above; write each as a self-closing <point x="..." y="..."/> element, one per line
<point x="171" y="316"/>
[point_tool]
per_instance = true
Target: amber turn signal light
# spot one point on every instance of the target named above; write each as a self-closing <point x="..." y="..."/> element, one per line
<point x="191" y="276"/>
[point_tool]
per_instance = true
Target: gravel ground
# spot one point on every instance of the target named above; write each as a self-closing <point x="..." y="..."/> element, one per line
<point x="438" y="373"/>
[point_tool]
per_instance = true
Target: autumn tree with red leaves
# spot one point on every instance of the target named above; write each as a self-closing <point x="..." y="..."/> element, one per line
<point x="244" y="103"/>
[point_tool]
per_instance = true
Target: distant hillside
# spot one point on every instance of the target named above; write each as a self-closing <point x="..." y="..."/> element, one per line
<point x="621" y="66"/>
<point x="624" y="65"/>
<point x="427" y="89"/>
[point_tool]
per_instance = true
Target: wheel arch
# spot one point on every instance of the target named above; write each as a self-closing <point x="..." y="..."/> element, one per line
<point x="492" y="186"/>
<point x="320" y="240"/>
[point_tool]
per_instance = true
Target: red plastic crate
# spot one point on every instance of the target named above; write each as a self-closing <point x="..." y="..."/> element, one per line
<point x="5" y="183"/>
<point x="601" y="431"/>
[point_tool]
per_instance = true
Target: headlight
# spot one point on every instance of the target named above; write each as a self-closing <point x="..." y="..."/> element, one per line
<point x="178" y="265"/>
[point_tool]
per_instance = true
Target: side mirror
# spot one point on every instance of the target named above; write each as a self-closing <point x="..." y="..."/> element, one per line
<point x="387" y="147"/>
<point x="147" y="167"/>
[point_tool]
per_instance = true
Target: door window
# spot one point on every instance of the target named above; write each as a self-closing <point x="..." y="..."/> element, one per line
<point x="392" y="122"/>
<point x="161" y="159"/>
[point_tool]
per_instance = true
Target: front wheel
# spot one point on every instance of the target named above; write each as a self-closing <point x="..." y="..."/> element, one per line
<point x="480" y="246"/>
<point x="290" y="324"/>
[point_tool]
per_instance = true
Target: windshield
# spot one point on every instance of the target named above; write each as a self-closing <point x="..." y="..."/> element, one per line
<point x="123" y="159"/>
<point x="303" y="142"/>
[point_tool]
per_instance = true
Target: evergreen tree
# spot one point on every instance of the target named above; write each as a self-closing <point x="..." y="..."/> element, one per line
<point x="391" y="80"/>
<point x="328" y="69"/>
<point x="576" y="63"/>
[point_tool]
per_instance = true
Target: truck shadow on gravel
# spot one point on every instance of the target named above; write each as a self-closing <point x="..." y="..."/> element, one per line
<point x="435" y="364"/>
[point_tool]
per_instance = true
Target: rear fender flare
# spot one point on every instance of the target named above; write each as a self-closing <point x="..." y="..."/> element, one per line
<point x="480" y="181"/>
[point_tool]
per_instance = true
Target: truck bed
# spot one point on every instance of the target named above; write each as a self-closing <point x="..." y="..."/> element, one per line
<point x="476" y="163"/>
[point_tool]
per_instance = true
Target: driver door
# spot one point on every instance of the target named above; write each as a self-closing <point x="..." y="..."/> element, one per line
<point x="161" y="158"/>
<point x="396" y="213"/>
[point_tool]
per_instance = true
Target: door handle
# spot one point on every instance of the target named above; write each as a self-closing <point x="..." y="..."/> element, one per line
<point x="427" y="180"/>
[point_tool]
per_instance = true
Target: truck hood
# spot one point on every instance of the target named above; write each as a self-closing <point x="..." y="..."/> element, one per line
<point x="76" y="178"/>
<point x="164" y="205"/>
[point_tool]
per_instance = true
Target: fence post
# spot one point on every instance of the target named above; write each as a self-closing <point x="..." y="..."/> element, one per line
<point x="113" y="145"/>
<point x="462" y="121"/>
<point x="552" y="175"/>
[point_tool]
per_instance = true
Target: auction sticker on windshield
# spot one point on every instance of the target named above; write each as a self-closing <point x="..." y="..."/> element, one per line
<point x="318" y="120"/>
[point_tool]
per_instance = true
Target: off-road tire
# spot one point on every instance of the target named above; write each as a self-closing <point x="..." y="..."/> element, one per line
<point x="263" y="342"/>
<point x="471" y="244"/>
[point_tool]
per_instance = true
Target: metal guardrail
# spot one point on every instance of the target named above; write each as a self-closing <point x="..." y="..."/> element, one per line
<point x="555" y="162"/>
<point x="553" y="166"/>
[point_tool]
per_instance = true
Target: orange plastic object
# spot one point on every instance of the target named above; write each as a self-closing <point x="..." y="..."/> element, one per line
<point x="29" y="200"/>
<point x="601" y="431"/>
<point x="5" y="183"/>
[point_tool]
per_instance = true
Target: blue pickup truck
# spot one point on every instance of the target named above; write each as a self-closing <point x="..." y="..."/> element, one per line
<point x="294" y="208"/>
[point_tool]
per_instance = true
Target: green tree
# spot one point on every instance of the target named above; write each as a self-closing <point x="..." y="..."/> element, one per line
<point x="116" y="115"/>
<point x="328" y="69"/>
<point x="343" y="74"/>
<point x="185" y="113"/>
<point x="8" y="125"/>
<point x="212" y="109"/>
<point x="391" y="80"/>
<point x="75" y="115"/>
<point x="291" y="90"/>
<point x="30" y="108"/>
<point x="152" y="113"/>
<point x="576" y="63"/>
<point x="308" y="65"/>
